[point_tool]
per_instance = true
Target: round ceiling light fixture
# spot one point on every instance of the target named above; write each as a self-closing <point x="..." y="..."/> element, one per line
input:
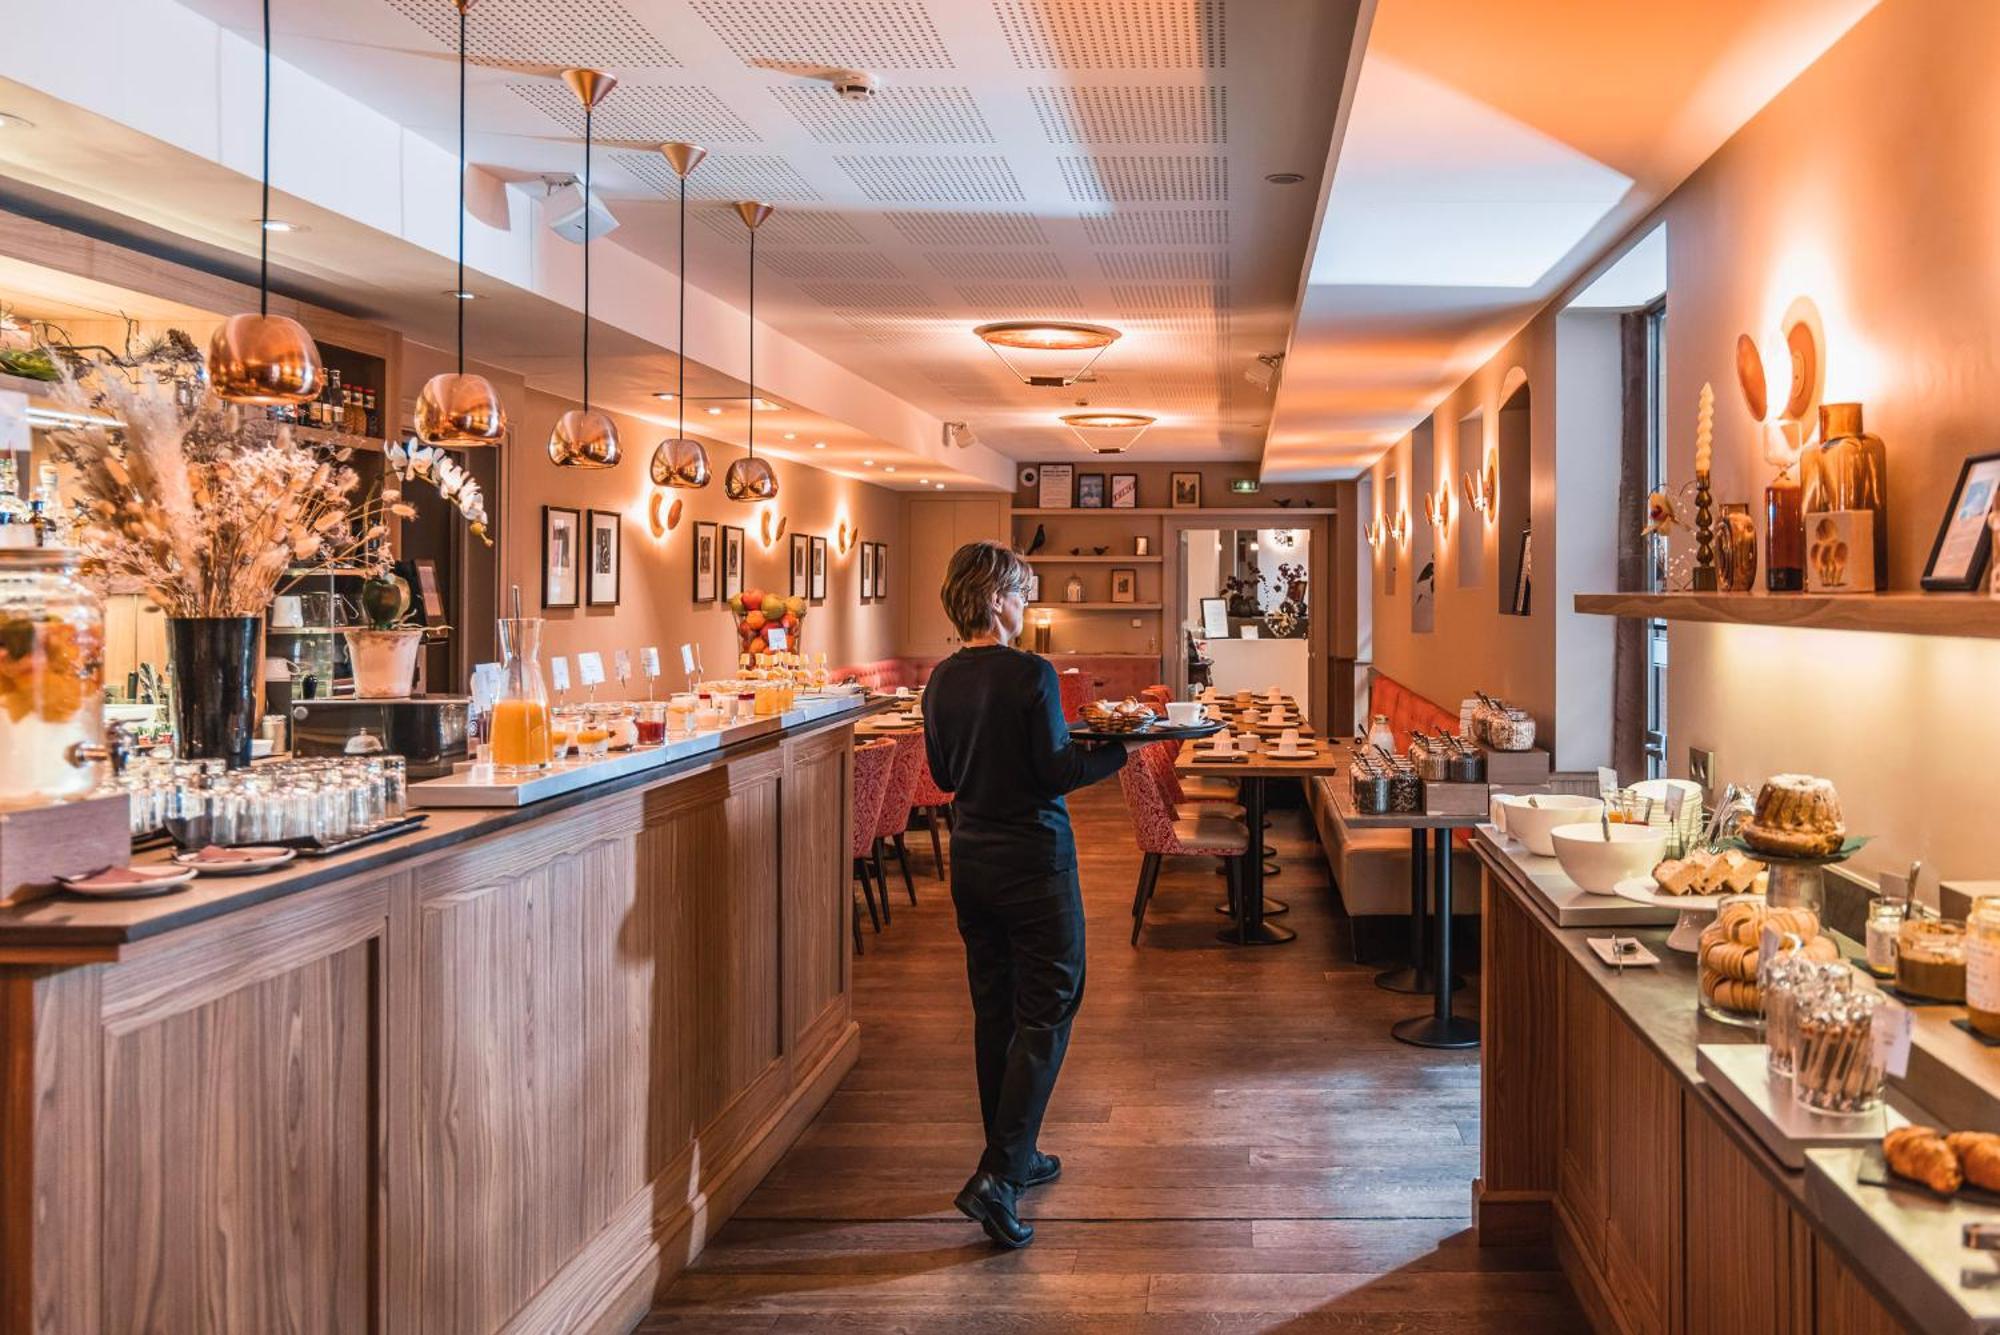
<point x="9" y="121"/>
<point x="1051" y="354"/>
<point x="1284" y="178"/>
<point x="1108" y="433"/>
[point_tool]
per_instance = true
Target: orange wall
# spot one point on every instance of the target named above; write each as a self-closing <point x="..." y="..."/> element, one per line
<point x="1867" y="185"/>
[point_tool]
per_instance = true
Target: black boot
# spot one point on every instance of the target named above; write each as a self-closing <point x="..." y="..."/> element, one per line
<point x="990" y="1201"/>
<point x="1045" y="1169"/>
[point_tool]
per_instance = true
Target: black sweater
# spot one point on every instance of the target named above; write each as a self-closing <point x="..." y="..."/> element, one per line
<point x="994" y="729"/>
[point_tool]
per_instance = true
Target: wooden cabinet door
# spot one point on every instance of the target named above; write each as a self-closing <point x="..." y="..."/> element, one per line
<point x="1585" y="1019"/>
<point x="980" y="519"/>
<point x="1642" y="1183"/>
<point x="1741" y="1239"/>
<point x="1842" y="1305"/>
<point x="927" y="632"/>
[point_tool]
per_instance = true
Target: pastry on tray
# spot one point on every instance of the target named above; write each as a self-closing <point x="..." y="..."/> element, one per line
<point x="1978" y="1154"/>
<point x="1118" y="715"/>
<point x="1797" y="816"/>
<point x="1920" y="1154"/>
<point x="1701" y="872"/>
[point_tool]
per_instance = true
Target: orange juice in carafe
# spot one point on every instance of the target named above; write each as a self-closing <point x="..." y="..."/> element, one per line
<point x="521" y="734"/>
<point x="520" y="727"/>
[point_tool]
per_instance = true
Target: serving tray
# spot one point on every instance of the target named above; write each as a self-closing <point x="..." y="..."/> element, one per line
<point x="1161" y="731"/>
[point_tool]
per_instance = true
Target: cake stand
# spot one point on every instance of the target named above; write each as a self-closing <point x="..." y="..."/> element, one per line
<point x="1798" y="882"/>
<point x="1697" y="911"/>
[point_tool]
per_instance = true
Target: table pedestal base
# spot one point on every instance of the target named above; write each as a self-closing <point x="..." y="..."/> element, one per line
<point x="1272" y="908"/>
<point x="1256" y="934"/>
<point x="1413" y="981"/>
<point x="1427" y="1031"/>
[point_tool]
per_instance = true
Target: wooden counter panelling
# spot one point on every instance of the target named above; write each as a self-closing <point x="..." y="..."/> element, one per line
<point x="511" y="1085"/>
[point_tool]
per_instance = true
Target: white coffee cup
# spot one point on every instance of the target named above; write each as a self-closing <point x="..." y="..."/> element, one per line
<point x="1251" y="743"/>
<point x="1183" y="713"/>
<point x="1251" y="718"/>
<point x="287" y="612"/>
<point x="1224" y="743"/>
<point x="1275" y="696"/>
<point x="1288" y="740"/>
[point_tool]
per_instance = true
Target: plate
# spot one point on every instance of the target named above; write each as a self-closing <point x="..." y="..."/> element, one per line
<point x="1158" y="731"/>
<point x="1644" y="890"/>
<point x="156" y="881"/>
<point x="268" y="857"/>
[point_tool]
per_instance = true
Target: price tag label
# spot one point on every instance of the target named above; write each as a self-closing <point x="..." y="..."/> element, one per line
<point x="590" y="667"/>
<point x="649" y="661"/>
<point x="775" y="637"/>
<point x="559" y="673"/>
<point x="621" y="664"/>
<point x="1889" y="1037"/>
<point x="1607" y="781"/>
<point x="1767" y="946"/>
<point x="687" y="658"/>
<point x="1676" y="799"/>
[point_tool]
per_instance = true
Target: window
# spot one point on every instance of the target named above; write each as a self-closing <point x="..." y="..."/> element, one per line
<point x="1656" y="478"/>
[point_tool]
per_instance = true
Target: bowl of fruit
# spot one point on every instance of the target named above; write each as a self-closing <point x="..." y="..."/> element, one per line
<point x="758" y="613"/>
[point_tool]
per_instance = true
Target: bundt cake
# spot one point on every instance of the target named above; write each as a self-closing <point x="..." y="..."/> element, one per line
<point x="1797" y="816"/>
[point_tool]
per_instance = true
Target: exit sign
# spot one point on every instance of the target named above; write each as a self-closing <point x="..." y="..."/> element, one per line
<point x="1244" y="486"/>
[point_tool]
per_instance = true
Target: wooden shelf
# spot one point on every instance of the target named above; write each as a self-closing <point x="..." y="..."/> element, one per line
<point x="1102" y="607"/>
<point x="1210" y="512"/>
<point x="1041" y="559"/>
<point x="1959" y="615"/>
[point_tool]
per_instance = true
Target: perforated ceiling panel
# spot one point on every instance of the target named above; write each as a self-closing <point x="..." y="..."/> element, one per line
<point x="544" y="35"/>
<point x="892" y="116"/>
<point x="933" y="180"/>
<point x="1120" y="35"/>
<point x="1015" y="264"/>
<point x="644" y="112"/>
<point x="1154" y="299"/>
<point x="884" y="298"/>
<point x="1123" y="114"/>
<point x="864" y="34"/>
<point x="785" y="229"/>
<point x="1147" y="180"/>
<point x="724" y="176"/>
<point x="1159" y="227"/>
<point x="827" y="263"/>
<point x="1032" y="300"/>
<point x="1127" y="265"/>
<point x="968" y="229"/>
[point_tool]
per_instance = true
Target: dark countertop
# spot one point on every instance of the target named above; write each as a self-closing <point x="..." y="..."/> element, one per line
<point x="70" y="929"/>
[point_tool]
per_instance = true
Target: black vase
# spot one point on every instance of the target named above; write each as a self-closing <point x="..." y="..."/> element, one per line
<point x="215" y="663"/>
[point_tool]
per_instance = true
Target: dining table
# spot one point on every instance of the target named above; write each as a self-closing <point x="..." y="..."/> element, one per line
<point x="1253" y="770"/>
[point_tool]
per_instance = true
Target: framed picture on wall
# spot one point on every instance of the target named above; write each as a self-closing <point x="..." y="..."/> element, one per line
<point x="1035" y="587"/>
<point x="607" y="559"/>
<point x="1056" y="489"/>
<point x="1124" y="586"/>
<point x="707" y="563"/>
<point x="1964" y="543"/>
<point x="732" y="560"/>
<point x="562" y="549"/>
<point x="1124" y="491"/>
<point x="1186" y="491"/>
<point x="1523" y="575"/>
<point x="818" y="570"/>
<point x="867" y="571"/>
<point x="801" y="585"/>
<point x="1142" y="546"/>
<point x="1215" y="618"/>
<point x="1090" y="491"/>
<point x="881" y="570"/>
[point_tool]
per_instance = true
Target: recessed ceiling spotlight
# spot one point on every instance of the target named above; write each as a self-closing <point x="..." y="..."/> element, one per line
<point x="1047" y="350"/>
<point x="1284" y="178"/>
<point x="460" y="293"/>
<point x="9" y="121"/>
<point x="867" y="463"/>
<point x="819" y="444"/>
<point x="664" y="395"/>
<point x="791" y="435"/>
<point x="715" y="412"/>
<point x="890" y="468"/>
<point x="280" y="225"/>
<point x="923" y="482"/>
<point x="939" y="486"/>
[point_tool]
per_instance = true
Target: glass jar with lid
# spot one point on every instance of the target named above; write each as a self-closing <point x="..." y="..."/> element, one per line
<point x="1836" y="1066"/>
<point x="1886" y="915"/>
<point x="1982" y="966"/>
<point x="1510" y="730"/>
<point x="1930" y="960"/>
<point x="51" y="678"/>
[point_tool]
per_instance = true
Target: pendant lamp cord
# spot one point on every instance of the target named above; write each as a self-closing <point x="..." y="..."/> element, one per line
<point x="753" y="343"/>
<point x="264" y="222"/>
<point x="681" y="395"/>
<point x="458" y="292"/>
<point x="586" y="255"/>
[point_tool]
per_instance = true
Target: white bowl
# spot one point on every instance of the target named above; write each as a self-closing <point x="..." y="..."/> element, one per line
<point x="1657" y="789"/>
<point x="1597" y="866"/>
<point x="1531" y="824"/>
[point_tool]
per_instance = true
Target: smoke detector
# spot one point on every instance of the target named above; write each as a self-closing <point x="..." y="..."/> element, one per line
<point x="854" y="85"/>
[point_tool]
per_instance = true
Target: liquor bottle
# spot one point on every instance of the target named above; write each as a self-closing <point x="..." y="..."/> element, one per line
<point x="368" y="410"/>
<point x="53" y="530"/>
<point x="16" y="529"/>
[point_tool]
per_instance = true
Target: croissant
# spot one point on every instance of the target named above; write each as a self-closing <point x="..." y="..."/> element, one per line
<point x="1978" y="1157"/>
<point x="1921" y="1154"/>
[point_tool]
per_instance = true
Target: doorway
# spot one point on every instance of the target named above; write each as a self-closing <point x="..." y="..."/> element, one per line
<point x="1257" y="602"/>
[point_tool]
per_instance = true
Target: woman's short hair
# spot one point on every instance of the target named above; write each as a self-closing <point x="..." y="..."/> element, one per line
<point x="980" y="572"/>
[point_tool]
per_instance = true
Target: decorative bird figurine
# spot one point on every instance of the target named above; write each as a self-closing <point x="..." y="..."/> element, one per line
<point x="1102" y="550"/>
<point x="1035" y="543"/>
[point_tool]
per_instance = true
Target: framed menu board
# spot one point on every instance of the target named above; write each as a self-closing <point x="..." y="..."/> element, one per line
<point x="1058" y="487"/>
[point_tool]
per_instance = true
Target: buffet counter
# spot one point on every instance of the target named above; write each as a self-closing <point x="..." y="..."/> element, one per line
<point x="506" y="1072"/>
<point x="1599" y="1133"/>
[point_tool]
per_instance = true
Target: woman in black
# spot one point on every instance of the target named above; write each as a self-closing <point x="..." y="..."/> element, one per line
<point x="994" y="728"/>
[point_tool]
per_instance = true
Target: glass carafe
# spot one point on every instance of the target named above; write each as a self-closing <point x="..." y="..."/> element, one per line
<point x="520" y="728"/>
<point x="51" y="679"/>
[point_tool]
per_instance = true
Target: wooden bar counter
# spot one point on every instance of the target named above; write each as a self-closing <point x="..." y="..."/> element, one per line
<point x="507" y="1073"/>
<point x="1667" y="1212"/>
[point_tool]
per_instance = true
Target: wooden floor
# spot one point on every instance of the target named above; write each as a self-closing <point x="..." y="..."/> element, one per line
<point x="1244" y="1146"/>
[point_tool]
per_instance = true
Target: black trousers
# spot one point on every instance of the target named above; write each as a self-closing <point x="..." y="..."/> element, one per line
<point x="1024" y="961"/>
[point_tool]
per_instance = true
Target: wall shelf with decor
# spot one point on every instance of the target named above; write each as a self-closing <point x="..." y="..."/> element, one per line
<point x="1102" y="607"/>
<point x="1045" y="559"/>
<point x="1955" y="615"/>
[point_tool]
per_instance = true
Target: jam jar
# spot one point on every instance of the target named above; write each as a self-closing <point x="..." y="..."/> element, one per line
<point x="51" y="678"/>
<point x="1982" y="966"/>
<point x="1930" y="960"/>
<point x="1510" y="729"/>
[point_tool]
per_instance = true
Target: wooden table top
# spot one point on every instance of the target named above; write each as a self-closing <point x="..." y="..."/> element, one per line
<point x="1403" y="820"/>
<point x="1263" y="765"/>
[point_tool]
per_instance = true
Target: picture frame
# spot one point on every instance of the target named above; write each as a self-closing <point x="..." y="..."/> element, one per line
<point x="1124" y="585"/>
<point x="732" y="561"/>
<point x="801" y="584"/>
<point x="1215" y="618"/>
<point x="818" y="594"/>
<point x="881" y="570"/>
<point x="1186" y="491"/>
<point x="1090" y="493"/>
<point x="707" y="563"/>
<point x="1142" y="546"/>
<point x="1035" y="587"/>
<point x="1523" y="603"/>
<point x="1124" y="491"/>
<point x="562" y="555"/>
<point x="1056" y="489"/>
<point x="605" y="573"/>
<point x="1964" y="542"/>
<point x="867" y="571"/>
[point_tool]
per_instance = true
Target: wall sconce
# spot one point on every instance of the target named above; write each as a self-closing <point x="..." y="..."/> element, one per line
<point x="1437" y="508"/>
<point x="663" y="516"/>
<point x="1480" y="488"/>
<point x="771" y="527"/>
<point x="1377" y="533"/>
<point x="1399" y="526"/>
<point x="844" y="536"/>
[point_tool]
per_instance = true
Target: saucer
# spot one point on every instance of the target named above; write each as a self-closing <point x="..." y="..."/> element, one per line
<point x="119" y="882"/>
<point x="266" y="857"/>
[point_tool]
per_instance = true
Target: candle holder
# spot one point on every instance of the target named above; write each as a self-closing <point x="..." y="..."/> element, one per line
<point x="1704" y="537"/>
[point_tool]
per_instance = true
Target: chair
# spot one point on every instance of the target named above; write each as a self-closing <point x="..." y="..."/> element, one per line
<point x="1159" y="697"/>
<point x="1160" y="834"/>
<point x="872" y="761"/>
<point x="1075" y="691"/>
<point x="1163" y="758"/>
<point x="1201" y="671"/>
<point x="935" y="804"/>
<point x="895" y="818"/>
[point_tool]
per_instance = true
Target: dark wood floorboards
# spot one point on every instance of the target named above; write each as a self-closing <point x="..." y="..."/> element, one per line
<point x="1244" y="1146"/>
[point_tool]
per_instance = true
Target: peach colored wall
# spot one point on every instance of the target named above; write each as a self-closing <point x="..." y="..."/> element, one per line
<point x="1866" y="185"/>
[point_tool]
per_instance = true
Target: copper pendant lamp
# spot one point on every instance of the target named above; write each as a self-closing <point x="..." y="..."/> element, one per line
<point x="681" y="462"/>
<point x="456" y="408"/>
<point x="584" y="438"/>
<point x="750" y="479"/>
<point x="264" y="359"/>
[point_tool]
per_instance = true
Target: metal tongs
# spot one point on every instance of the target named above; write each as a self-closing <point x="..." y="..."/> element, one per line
<point x="1734" y="808"/>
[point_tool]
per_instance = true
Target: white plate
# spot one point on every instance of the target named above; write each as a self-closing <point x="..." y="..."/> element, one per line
<point x="158" y="881"/>
<point x="1645" y="890"/>
<point x="271" y="857"/>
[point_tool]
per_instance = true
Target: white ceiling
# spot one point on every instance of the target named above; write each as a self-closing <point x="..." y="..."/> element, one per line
<point x="1023" y="158"/>
<point x="1492" y="154"/>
